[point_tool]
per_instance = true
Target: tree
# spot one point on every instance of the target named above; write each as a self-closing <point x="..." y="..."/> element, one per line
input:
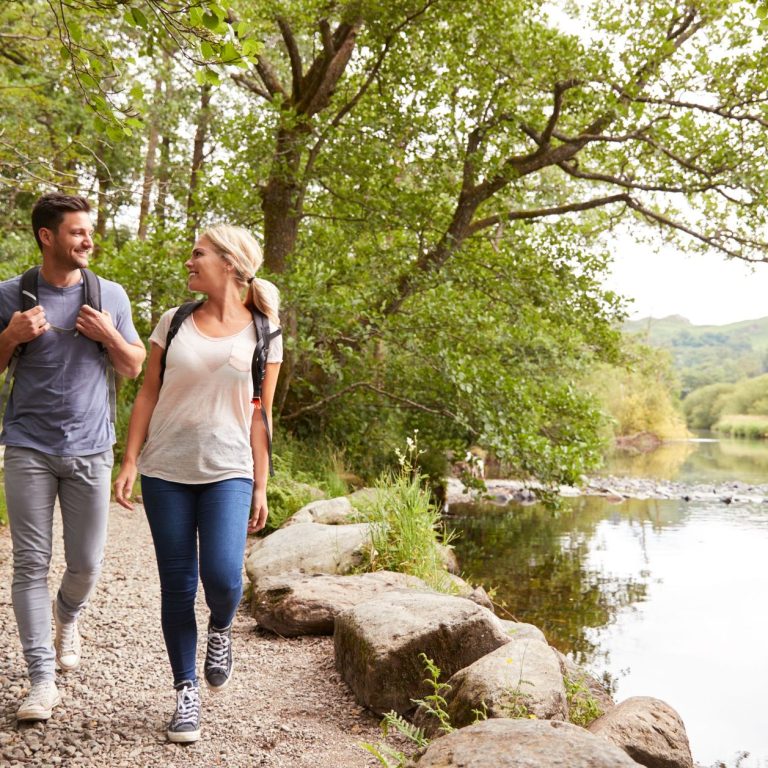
<point x="433" y="178"/>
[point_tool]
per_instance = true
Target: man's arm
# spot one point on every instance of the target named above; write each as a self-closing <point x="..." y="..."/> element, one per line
<point x="126" y="357"/>
<point x="23" y="327"/>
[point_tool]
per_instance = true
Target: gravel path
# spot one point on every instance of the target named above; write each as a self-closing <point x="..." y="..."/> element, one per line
<point x="286" y="707"/>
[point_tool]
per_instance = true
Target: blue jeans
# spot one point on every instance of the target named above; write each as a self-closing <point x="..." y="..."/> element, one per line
<point x="180" y="516"/>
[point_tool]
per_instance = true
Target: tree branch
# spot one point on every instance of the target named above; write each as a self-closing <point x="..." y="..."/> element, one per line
<point x="318" y="404"/>
<point x="717" y="240"/>
<point x="293" y="55"/>
<point x="539" y="213"/>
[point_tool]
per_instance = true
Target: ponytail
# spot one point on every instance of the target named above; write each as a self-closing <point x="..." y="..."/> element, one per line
<point x="265" y="297"/>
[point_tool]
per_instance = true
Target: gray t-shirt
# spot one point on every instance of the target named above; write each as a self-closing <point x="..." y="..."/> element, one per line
<point x="60" y="401"/>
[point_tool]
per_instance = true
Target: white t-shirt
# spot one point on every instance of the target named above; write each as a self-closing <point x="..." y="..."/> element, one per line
<point x="201" y="426"/>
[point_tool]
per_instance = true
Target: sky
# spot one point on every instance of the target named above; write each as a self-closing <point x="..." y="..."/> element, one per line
<point x="707" y="289"/>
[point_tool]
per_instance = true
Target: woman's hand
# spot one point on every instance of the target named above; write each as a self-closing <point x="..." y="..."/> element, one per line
<point x="124" y="484"/>
<point x="259" y="511"/>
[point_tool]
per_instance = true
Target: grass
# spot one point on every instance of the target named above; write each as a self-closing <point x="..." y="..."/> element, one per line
<point x="407" y="529"/>
<point x="583" y="707"/>
<point x="743" y="425"/>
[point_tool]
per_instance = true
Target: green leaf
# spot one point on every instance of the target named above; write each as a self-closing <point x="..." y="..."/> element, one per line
<point x="212" y="77"/>
<point x="207" y="50"/>
<point x="87" y="80"/>
<point x="211" y="21"/>
<point x="139" y="18"/>
<point x="75" y="31"/>
<point x="251" y="47"/>
<point x="136" y="93"/>
<point x="218" y="11"/>
<point x="242" y="29"/>
<point x="196" y="16"/>
<point x="64" y="52"/>
<point x="115" y="132"/>
<point x="228" y="53"/>
<point x="201" y="77"/>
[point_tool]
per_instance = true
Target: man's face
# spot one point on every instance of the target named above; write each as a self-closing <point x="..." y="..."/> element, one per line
<point x="70" y="244"/>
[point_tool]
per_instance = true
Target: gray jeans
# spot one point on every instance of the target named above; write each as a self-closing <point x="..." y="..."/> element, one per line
<point x="32" y="482"/>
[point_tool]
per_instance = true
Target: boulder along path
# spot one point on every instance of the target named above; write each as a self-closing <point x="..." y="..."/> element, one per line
<point x="286" y="707"/>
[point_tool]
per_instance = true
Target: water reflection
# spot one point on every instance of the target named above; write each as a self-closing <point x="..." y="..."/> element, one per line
<point x="537" y="561"/>
<point x="701" y="461"/>
<point x="660" y="598"/>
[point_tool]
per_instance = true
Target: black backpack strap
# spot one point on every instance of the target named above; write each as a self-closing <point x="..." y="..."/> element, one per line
<point x="181" y="314"/>
<point x="28" y="289"/>
<point x="259" y="370"/>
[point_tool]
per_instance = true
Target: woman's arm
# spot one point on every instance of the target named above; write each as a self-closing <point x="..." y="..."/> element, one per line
<point x="260" y="449"/>
<point x="138" y="426"/>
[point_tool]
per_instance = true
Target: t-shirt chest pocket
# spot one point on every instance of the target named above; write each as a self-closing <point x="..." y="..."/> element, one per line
<point x="241" y="354"/>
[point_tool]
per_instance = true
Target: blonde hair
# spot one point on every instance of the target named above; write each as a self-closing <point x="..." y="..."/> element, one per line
<point x="238" y="247"/>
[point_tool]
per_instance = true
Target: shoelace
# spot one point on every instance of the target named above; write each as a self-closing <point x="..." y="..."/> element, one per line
<point x="187" y="706"/>
<point x="68" y="638"/>
<point x="218" y="649"/>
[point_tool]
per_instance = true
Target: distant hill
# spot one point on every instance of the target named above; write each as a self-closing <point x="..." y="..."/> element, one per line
<point x="705" y="354"/>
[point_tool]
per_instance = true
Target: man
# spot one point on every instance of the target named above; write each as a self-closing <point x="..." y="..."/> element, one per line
<point x="58" y="434"/>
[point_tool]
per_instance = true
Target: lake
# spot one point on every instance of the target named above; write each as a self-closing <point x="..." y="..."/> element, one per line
<point x="658" y="598"/>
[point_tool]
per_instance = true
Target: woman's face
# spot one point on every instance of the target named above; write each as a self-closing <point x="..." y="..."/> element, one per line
<point x="207" y="270"/>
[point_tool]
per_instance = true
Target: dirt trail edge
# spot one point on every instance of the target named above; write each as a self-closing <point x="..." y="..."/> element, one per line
<point x="285" y="706"/>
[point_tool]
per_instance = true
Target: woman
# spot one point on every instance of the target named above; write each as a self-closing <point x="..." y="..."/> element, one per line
<point x="205" y="463"/>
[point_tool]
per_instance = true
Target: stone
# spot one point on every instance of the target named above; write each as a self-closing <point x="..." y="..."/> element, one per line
<point x="505" y="743"/>
<point x="338" y="511"/>
<point x="299" y="604"/>
<point x="308" y="548"/>
<point x="519" y="630"/>
<point x="648" y="730"/>
<point x="520" y="679"/>
<point x="378" y="644"/>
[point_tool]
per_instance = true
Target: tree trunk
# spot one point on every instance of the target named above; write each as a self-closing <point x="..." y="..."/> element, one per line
<point x="281" y="200"/>
<point x="105" y="183"/>
<point x="198" y="155"/>
<point x="150" y="160"/>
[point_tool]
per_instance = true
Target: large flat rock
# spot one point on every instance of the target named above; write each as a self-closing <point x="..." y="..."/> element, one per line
<point x="307" y="548"/>
<point x="520" y="679"/>
<point x="299" y="604"/>
<point x="378" y="644"/>
<point x="523" y="744"/>
<point x="648" y="730"/>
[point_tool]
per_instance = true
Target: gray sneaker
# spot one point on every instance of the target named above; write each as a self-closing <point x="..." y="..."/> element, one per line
<point x="40" y="701"/>
<point x="66" y="642"/>
<point x="218" y="658"/>
<point x="184" y="727"/>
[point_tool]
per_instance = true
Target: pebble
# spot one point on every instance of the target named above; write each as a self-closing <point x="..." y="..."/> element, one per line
<point x="284" y="708"/>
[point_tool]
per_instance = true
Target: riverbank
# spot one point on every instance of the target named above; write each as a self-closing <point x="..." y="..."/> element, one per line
<point x="614" y="488"/>
<point x="286" y="707"/>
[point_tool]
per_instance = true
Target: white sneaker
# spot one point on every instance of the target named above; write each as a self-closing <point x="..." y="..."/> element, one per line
<point x="66" y="642"/>
<point x="40" y="701"/>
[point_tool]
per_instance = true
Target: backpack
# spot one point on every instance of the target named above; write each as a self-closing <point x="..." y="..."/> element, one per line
<point x="28" y="300"/>
<point x="258" y="364"/>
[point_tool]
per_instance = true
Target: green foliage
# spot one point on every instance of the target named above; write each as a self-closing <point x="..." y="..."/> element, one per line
<point x="407" y="529"/>
<point x="434" y="704"/>
<point x="703" y="406"/>
<point x="738" y="409"/>
<point x="303" y="473"/>
<point x="469" y="155"/>
<point x="735" y="425"/>
<point x="642" y="395"/>
<point x="705" y="354"/>
<point x="583" y="707"/>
